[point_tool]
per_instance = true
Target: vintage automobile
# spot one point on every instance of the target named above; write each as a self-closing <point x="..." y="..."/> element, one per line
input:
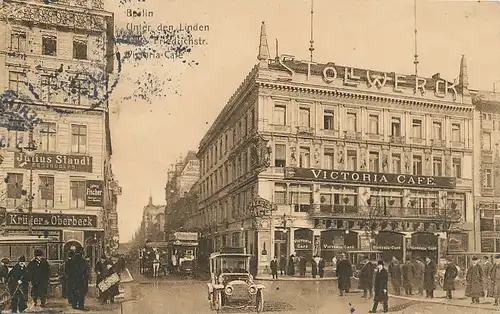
<point x="231" y="283"/>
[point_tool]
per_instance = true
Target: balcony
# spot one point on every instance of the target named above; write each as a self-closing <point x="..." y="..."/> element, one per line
<point x="396" y="139"/>
<point x="375" y="137"/>
<point x="438" y="143"/>
<point x="455" y="144"/>
<point x="305" y="130"/>
<point x="418" y="140"/>
<point x="352" y="135"/>
<point x="328" y="132"/>
<point x="280" y="128"/>
<point x="377" y="213"/>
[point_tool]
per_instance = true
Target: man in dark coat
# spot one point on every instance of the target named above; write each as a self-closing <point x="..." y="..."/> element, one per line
<point x="495" y="279"/>
<point x="101" y="270"/>
<point x="314" y="267"/>
<point x="366" y="277"/>
<point x="17" y="282"/>
<point x="39" y="275"/>
<point x="429" y="277"/>
<point x="291" y="266"/>
<point x="112" y="291"/>
<point x="321" y="267"/>
<point x="396" y="277"/>
<point x="282" y="265"/>
<point x="450" y="273"/>
<point x="419" y="276"/>
<point x="408" y="270"/>
<point x="4" y="270"/>
<point x="344" y="273"/>
<point x="475" y="283"/>
<point x="302" y="266"/>
<point x="380" y="287"/>
<point x="77" y="275"/>
<point x="487" y="266"/>
<point x="274" y="268"/>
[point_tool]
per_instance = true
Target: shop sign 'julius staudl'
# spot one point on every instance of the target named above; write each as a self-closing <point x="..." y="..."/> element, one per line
<point x="59" y="162"/>
<point x="354" y="77"/>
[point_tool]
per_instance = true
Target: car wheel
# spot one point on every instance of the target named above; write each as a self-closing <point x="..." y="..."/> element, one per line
<point x="259" y="301"/>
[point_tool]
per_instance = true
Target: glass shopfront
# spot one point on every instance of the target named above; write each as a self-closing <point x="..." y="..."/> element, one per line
<point x="423" y="244"/>
<point x="334" y="242"/>
<point x="390" y="243"/>
<point x="302" y="242"/>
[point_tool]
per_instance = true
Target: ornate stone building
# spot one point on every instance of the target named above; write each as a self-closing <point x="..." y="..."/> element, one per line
<point x="316" y="158"/>
<point x="153" y="221"/>
<point x="55" y="61"/>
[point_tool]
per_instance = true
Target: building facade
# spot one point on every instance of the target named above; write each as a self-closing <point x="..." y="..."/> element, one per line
<point x="153" y="221"/>
<point x="487" y="193"/>
<point x="310" y="158"/>
<point x="55" y="61"/>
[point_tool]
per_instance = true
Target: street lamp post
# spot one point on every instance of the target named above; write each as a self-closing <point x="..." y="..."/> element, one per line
<point x="30" y="151"/>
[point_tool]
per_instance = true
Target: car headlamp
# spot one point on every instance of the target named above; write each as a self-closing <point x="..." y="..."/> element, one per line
<point x="229" y="290"/>
<point x="252" y="289"/>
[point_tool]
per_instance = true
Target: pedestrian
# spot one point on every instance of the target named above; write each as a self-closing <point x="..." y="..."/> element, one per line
<point x="334" y="264"/>
<point x="39" y="274"/>
<point x="282" y="264"/>
<point x="291" y="266"/>
<point x="274" y="268"/>
<point x="254" y="267"/>
<point x="321" y="267"/>
<point x="450" y="273"/>
<point x="396" y="278"/>
<point x="429" y="277"/>
<point x="302" y="266"/>
<point x="486" y="266"/>
<point x="100" y="270"/>
<point x="4" y="270"/>
<point x="419" y="275"/>
<point x="475" y="283"/>
<point x="344" y="273"/>
<point x="66" y="293"/>
<point x="156" y="262"/>
<point x="380" y="287"/>
<point x="113" y="290"/>
<point x="77" y="273"/>
<point x="495" y="279"/>
<point x="366" y="277"/>
<point x="408" y="272"/>
<point x="17" y="283"/>
<point x="314" y="267"/>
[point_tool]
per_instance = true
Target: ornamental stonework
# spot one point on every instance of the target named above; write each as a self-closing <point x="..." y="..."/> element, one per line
<point x="54" y="16"/>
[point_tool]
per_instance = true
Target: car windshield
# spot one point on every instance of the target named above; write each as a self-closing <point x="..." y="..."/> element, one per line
<point x="233" y="264"/>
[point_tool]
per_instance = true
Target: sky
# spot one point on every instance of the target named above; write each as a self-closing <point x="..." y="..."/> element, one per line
<point x="151" y="133"/>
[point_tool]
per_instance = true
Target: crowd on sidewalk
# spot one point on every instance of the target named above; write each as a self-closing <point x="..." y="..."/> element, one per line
<point x="33" y="279"/>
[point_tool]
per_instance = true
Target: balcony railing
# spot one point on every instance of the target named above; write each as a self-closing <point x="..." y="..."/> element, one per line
<point x="305" y="130"/>
<point x="378" y="213"/>
<point x="397" y="139"/>
<point x="438" y="142"/>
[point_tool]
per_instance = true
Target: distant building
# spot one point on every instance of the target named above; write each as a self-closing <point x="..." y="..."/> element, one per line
<point x="153" y="221"/>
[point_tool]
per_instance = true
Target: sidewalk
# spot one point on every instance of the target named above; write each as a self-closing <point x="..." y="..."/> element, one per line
<point x="267" y="277"/>
<point x="61" y="305"/>
<point x="459" y="300"/>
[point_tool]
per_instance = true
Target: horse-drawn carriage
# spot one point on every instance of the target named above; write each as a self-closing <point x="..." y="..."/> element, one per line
<point x="231" y="283"/>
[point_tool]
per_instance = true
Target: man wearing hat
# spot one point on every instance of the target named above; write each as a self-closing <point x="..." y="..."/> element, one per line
<point x="39" y="274"/>
<point x="475" y="284"/>
<point x="366" y="277"/>
<point x="495" y="279"/>
<point x="450" y="273"/>
<point x="17" y="282"/>
<point x="380" y="288"/>
<point x="101" y="270"/>
<point x="77" y="275"/>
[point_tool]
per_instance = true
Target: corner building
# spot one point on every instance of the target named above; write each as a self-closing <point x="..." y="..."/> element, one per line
<point x="341" y="159"/>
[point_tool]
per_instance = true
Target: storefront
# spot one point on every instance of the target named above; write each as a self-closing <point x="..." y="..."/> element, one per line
<point x="423" y="244"/>
<point x="391" y="245"/>
<point x="335" y="242"/>
<point x="303" y="243"/>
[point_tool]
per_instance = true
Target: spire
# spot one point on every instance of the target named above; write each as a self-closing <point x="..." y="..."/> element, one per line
<point x="311" y="41"/>
<point x="263" y="48"/>
<point x="463" y="78"/>
<point x="150" y="198"/>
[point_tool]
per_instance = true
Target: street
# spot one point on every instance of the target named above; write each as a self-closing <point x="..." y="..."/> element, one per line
<point x="190" y="296"/>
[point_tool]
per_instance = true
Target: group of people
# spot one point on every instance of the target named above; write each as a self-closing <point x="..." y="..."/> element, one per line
<point x="416" y="274"/>
<point x="18" y="280"/>
<point x="105" y="268"/>
<point x="297" y="264"/>
<point x="483" y="279"/>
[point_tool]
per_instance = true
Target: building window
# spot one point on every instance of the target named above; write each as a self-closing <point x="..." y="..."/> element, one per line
<point x="280" y="114"/>
<point x="300" y="197"/>
<point x="78" y="139"/>
<point x="18" y="42"/>
<point x="486" y="141"/>
<point x="245" y="125"/>
<point x="234" y="136"/>
<point x="226" y="142"/>
<point x="338" y="200"/>
<point x="46" y="191"/>
<point x="374" y="162"/>
<point x="14" y="189"/>
<point x="252" y="119"/>
<point x="437" y="132"/>
<point x="49" y="86"/>
<point x="437" y="166"/>
<point x="396" y="163"/>
<point x="49" y="45"/>
<point x="373" y="121"/>
<point x="486" y="116"/>
<point x="456" y="132"/>
<point x="328" y="156"/>
<point x="328" y="120"/>
<point x="395" y="126"/>
<point x="457" y="167"/>
<point x="488" y="179"/>
<point x="352" y="160"/>
<point x="417" y="165"/>
<point x="305" y="157"/>
<point x="305" y="117"/>
<point x="351" y="122"/>
<point x="279" y="193"/>
<point x="77" y="194"/>
<point x="17" y="81"/>
<point x="79" y="89"/>
<point x="280" y="155"/>
<point x="48" y="136"/>
<point x="15" y="139"/>
<point x="417" y="128"/>
<point x="79" y="49"/>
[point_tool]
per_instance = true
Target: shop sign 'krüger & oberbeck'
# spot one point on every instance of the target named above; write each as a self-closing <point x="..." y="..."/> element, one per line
<point x="59" y="162"/>
<point x="52" y="220"/>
